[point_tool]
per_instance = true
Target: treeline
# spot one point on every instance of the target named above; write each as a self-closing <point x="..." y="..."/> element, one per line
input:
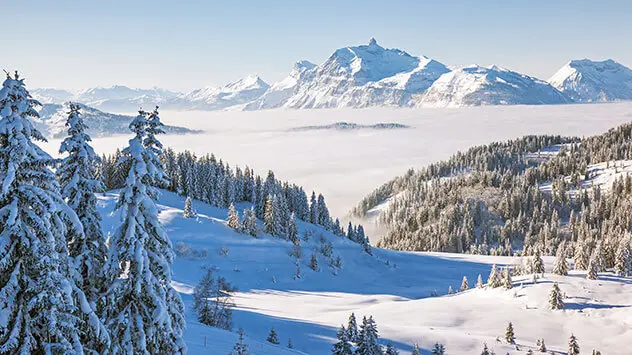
<point x="213" y="181"/>
<point x="492" y="202"/>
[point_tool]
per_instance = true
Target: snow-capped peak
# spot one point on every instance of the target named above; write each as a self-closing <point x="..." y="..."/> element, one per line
<point x="585" y="80"/>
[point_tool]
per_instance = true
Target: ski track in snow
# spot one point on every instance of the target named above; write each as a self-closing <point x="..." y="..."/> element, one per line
<point x="397" y="294"/>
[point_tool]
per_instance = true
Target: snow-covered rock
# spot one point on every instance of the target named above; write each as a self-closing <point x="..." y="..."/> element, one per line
<point x="475" y="86"/>
<point x="235" y="93"/>
<point x="52" y="122"/>
<point x="590" y="81"/>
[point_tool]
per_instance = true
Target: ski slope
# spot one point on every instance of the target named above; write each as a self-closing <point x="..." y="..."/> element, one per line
<point x="394" y="287"/>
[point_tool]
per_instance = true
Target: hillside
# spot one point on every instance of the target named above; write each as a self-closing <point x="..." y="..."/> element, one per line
<point x="594" y="81"/>
<point x="310" y="309"/>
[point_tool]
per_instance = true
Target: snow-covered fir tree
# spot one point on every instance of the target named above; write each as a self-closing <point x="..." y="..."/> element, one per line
<point x="42" y="306"/>
<point x="352" y="328"/>
<point x="464" y="284"/>
<point x="510" y="336"/>
<point x="479" y="281"/>
<point x="189" y="211"/>
<point x="506" y="278"/>
<point x="592" y="268"/>
<point x="249" y="222"/>
<point x="367" y="338"/>
<point x="485" y="350"/>
<point x="438" y="349"/>
<point x="573" y="346"/>
<point x="556" y="300"/>
<point x="450" y="291"/>
<point x="145" y="313"/>
<point x="240" y="347"/>
<point x="416" y="350"/>
<point x="342" y="345"/>
<point x="292" y="230"/>
<point x="390" y="349"/>
<point x="273" y="337"/>
<point x="623" y="258"/>
<point x="213" y="301"/>
<point x="233" y="218"/>
<point x="313" y="262"/>
<point x="289" y="343"/>
<point x="542" y="346"/>
<point x="494" y="280"/>
<point x="561" y="265"/>
<point x="537" y="263"/>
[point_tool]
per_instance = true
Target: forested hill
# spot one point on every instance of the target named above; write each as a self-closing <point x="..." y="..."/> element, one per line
<point x="538" y="192"/>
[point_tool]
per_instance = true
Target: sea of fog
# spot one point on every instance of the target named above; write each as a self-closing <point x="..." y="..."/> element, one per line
<point x="345" y="165"/>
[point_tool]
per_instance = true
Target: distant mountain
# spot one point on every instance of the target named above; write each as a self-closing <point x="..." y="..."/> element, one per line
<point x="371" y="75"/>
<point x="52" y="122"/>
<point x="235" y="93"/>
<point x="594" y="81"/>
<point x="476" y="86"/>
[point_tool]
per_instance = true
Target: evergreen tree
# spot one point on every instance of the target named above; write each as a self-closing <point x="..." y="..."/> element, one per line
<point x="494" y="280"/>
<point x="438" y="349"/>
<point x="623" y="258"/>
<point x="249" y="222"/>
<point x="43" y="308"/>
<point x="292" y="230"/>
<point x="367" y="338"/>
<point x="555" y="298"/>
<point x="272" y="337"/>
<point x="485" y="350"/>
<point x="313" y="209"/>
<point x="537" y="265"/>
<point x="189" y="212"/>
<point x="352" y="329"/>
<point x="510" y="337"/>
<point x="415" y="350"/>
<point x="240" y="347"/>
<point x="213" y="301"/>
<point x="464" y="284"/>
<point x="561" y="265"/>
<point x="342" y="346"/>
<point x="145" y="313"/>
<point x="233" y="218"/>
<point x="390" y="349"/>
<point x="289" y="343"/>
<point x="592" y="269"/>
<point x="313" y="262"/>
<point x="506" y="278"/>
<point x="542" y="347"/>
<point x="479" y="281"/>
<point x="450" y="291"/>
<point x="573" y="346"/>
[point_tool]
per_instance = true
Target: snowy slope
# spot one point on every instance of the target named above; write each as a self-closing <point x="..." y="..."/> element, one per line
<point x="593" y="81"/>
<point x="51" y="96"/>
<point x="396" y="293"/>
<point x="122" y="98"/>
<point x="281" y="91"/>
<point x="601" y="175"/>
<point x="234" y="93"/>
<point x="52" y="122"/>
<point x="476" y="86"/>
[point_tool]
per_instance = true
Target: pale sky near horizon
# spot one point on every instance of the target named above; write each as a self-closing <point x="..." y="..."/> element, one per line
<point x="182" y="45"/>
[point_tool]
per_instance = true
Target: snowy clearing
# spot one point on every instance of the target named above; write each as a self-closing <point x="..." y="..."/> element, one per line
<point x="397" y="294"/>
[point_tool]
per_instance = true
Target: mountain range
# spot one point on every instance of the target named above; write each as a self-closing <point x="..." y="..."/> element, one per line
<point x="371" y="75"/>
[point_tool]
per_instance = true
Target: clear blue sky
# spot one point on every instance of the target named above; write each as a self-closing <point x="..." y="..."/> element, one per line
<point x="188" y="44"/>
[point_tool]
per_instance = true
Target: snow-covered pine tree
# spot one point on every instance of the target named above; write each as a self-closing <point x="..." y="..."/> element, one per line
<point x="42" y="307"/>
<point x="542" y="347"/>
<point x="573" y="346"/>
<point x="561" y="265"/>
<point x="464" y="284"/>
<point x="352" y="329"/>
<point x="623" y="258"/>
<point x="537" y="264"/>
<point x="240" y="347"/>
<point x="189" y="211"/>
<point x="415" y="350"/>
<point x="485" y="350"/>
<point x="79" y="183"/>
<point x="342" y="345"/>
<point x="493" y="280"/>
<point x="249" y="222"/>
<point x="269" y="215"/>
<point x="313" y="262"/>
<point x="438" y="349"/>
<point x="510" y="336"/>
<point x="592" y="268"/>
<point x="506" y="278"/>
<point x="145" y="313"/>
<point x="313" y="209"/>
<point x="556" y="301"/>
<point x="273" y="337"/>
<point x="479" y="281"/>
<point x="390" y="349"/>
<point x="323" y="213"/>
<point x="289" y="343"/>
<point x="367" y="338"/>
<point x="233" y="218"/>
<point x="450" y="291"/>
<point x="292" y="230"/>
